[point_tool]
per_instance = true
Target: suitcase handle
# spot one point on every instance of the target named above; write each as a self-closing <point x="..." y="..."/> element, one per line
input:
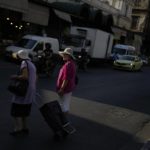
<point x="45" y="96"/>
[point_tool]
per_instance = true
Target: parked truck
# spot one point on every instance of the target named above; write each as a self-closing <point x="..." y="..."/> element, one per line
<point x="97" y="43"/>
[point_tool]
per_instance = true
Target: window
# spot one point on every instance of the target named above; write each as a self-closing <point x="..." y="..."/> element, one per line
<point x="126" y="11"/>
<point x="131" y="52"/>
<point x="38" y="47"/>
<point x="135" y="22"/>
<point x="119" y="51"/>
<point x="26" y="43"/>
<point x="137" y="3"/>
<point x="114" y="3"/>
<point x="117" y="4"/>
<point x="127" y="58"/>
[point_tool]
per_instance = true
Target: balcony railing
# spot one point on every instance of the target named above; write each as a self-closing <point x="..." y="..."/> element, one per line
<point x="141" y="5"/>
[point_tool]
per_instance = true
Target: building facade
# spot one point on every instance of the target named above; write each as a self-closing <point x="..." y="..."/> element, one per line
<point x="122" y="17"/>
<point x="118" y="14"/>
<point x="139" y="14"/>
<point x="122" y="20"/>
<point x="139" y="20"/>
<point x="51" y="16"/>
<point x="121" y="10"/>
<point x="21" y="17"/>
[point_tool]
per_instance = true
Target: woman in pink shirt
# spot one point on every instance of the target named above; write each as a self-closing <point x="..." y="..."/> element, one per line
<point x="66" y="79"/>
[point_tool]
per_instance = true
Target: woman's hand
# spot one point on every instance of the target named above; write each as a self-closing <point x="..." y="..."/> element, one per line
<point x="63" y="86"/>
<point x="61" y="92"/>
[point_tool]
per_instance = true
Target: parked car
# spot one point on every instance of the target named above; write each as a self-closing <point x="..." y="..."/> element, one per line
<point x="128" y="62"/>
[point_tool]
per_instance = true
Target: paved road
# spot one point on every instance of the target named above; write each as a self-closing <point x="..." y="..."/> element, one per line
<point x="109" y="109"/>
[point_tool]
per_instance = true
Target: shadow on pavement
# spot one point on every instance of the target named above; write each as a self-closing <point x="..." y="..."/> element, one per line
<point x="89" y="136"/>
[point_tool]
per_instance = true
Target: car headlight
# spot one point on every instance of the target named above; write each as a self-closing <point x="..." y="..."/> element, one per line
<point x="115" y="61"/>
<point x="14" y="55"/>
<point x="131" y="64"/>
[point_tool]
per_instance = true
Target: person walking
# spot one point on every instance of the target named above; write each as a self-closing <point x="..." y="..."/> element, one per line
<point x="83" y="59"/>
<point x="48" y="52"/>
<point x="66" y="79"/>
<point x="21" y="105"/>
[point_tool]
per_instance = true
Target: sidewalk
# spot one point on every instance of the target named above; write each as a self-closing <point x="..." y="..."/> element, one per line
<point x="114" y="117"/>
<point x="99" y="127"/>
<point x="118" y="118"/>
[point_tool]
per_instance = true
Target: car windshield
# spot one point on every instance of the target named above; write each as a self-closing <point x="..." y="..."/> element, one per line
<point x="127" y="58"/>
<point x="26" y="43"/>
<point x="119" y="51"/>
<point x="131" y="52"/>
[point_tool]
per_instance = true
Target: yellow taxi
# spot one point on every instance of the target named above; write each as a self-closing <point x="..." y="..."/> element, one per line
<point x="128" y="62"/>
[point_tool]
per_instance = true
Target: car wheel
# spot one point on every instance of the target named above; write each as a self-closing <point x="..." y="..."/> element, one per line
<point x="140" y="69"/>
<point x="133" y="68"/>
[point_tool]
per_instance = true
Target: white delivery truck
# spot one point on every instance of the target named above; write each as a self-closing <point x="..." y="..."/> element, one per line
<point x="97" y="43"/>
<point x="33" y="44"/>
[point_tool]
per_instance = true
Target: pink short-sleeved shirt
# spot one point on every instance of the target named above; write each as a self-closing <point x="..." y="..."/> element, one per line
<point x="67" y="72"/>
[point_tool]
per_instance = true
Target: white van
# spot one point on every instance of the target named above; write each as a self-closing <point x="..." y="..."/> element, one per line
<point x="32" y="43"/>
<point x="121" y="49"/>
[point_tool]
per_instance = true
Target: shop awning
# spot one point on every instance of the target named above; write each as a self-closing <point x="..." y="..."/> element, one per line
<point x="15" y="5"/>
<point x="36" y="14"/>
<point x="78" y="10"/>
<point x="63" y="15"/>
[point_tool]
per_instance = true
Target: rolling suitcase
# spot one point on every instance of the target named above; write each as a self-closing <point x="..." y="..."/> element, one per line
<point x="56" y="119"/>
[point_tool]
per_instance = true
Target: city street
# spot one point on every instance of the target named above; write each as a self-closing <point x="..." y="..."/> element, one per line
<point x="109" y="109"/>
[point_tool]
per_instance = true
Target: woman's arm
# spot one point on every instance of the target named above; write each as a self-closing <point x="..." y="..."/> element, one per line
<point x="23" y="76"/>
<point x="63" y="86"/>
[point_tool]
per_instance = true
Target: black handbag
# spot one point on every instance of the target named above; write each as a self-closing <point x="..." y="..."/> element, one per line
<point x="19" y="87"/>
